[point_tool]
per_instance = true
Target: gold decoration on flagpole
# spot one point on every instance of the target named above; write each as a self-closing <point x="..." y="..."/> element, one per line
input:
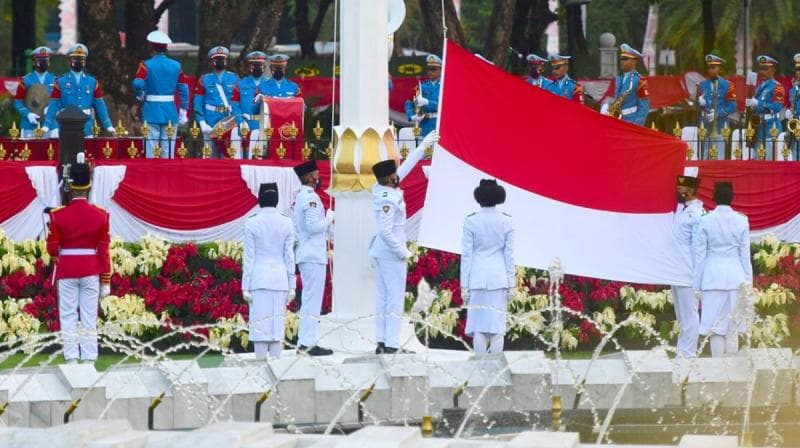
<point x="318" y="131"/>
<point x="107" y="150"/>
<point x="230" y="152"/>
<point x="689" y="151"/>
<point x="762" y="152"/>
<point x="306" y="151"/>
<point x="26" y="153"/>
<point x="95" y="129"/>
<point x="257" y="152"/>
<point x="416" y="130"/>
<point x="206" y="151"/>
<point x="713" y="152"/>
<point x="13" y="132"/>
<point x="170" y="130"/>
<point x="132" y="151"/>
<point x="737" y="152"/>
<point x="726" y="133"/>
<point x="194" y="131"/>
<point x="145" y="130"/>
<point x="182" y="151"/>
<point x="121" y="130"/>
<point x="293" y="131"/>
<point x="244" y="129"/>
<point x="51" y="152"/>
<point x="281" y="151"/>
<point x="157" y="152"/>
<point x="702" y="132"/>
<point x="38" y="132"/>
<point x="786" y="150"/>
<point x="404" y="150"/>
<point x="677" y="131"/>
<point x="429" y="151"/>
<point x="2" y="152"/>
<point x="749" y="132"/>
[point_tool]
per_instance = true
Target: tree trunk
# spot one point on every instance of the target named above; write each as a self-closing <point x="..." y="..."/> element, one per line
<point x="220" y="22"/>
<point x="261" y="30"/>
<point x="539" y="18"/>
<point x="519" y="41"/>
<point x="432" y="19"/>
<point x="23" y="35"/>
<point x="307" y="33"/>
<point x="709" y="36"/>
<point x="500" y="27"/>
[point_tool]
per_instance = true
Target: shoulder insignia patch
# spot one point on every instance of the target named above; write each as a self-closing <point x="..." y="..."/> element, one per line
<point x="312" y="204"/>
<point x="385" y="194"/>
<point x="386" y="209"/>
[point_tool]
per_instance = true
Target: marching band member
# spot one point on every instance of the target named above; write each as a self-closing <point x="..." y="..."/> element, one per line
<point x="40" y="75"/>
<point x="487" y="268"/>
<point x="562" y="85"/>
<point x="717" y="99"/>
<point x="216" y="99"/>
<point x="248" y="88"/>
<point x="536" y="64"/>
<point x="794" y="106"/>
<point x="425" y="105"/>
<point x="155" y="84"/>
<point x="279" y="86"/>
<point x="767" y="103"/>
<point x="631" y="99"/>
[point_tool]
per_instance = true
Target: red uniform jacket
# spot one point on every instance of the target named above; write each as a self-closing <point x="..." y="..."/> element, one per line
<point x="80" y="225"/>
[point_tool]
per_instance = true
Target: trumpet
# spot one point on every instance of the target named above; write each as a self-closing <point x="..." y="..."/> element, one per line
<point x="615" y="109"/>
<point x="793" y="125"/>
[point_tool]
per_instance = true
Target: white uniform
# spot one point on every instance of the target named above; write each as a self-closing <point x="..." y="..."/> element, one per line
<point x="487" y="269"/>
<point x="687" y="218"/>
<point x="721" y="250"/>
<point x="268" y="271"/>
<point x="389" y="252"/>
<point x="312" y="259"/>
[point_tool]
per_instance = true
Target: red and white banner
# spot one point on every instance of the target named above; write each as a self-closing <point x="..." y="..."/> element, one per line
<point x="25" y="191"/>
<point x="594" y="191"/>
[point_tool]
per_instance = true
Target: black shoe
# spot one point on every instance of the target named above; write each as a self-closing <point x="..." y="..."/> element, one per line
<point x="319" y="351"/>
<point x="392" y="350"/>
<point x="381" y="348"/>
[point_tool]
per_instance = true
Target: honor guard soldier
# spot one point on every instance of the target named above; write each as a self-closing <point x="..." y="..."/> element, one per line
<point x="155" y="84"/>
<point x="631" y="100"/>
<point x="35" y="97"/>
<point x="268" y="281"/>
<point x="487" y="268"/>
<point x="216" y="99"/>
<point x="312" y="225"/>
<point x="767" y="103"/>
<point x="279" y="86"/>
<point x="716" y="97"/>
<point x="794" y="108"/>
<point x="687" y="217"/>
<point x="248" y="89"/>
<point x="78" y="241"/>
<point x="425" y="105"/>
<point x="562" y="85"/>
<point x="79" y="89"/>
<point x="536" y="64"/>
<point x="722" y="264"/>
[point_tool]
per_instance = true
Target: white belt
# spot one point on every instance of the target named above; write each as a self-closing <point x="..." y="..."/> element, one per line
<point x="87" y="111"/>
<point x="77" y="252"/>
<point x="160" y="98"/>
<point x="629" y="110"/>
<point x="431" y="115"/>
<point x="250" y="117"/>
<point x="770" y="116"/>
<point x="218" y="109"/>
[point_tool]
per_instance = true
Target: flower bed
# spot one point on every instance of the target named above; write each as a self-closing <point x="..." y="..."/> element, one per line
<point x="195" y="291"/>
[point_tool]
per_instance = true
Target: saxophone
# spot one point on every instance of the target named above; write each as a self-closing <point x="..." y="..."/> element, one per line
<point x="615" y="109"/>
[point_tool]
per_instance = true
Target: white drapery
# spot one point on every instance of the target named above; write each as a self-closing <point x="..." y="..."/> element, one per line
<point x="31" y="221"/>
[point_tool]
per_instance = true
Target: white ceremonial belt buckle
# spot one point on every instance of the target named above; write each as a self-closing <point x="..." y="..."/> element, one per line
<point x="77" y="252"/>
<point x="217" y="109"/>
<point x="629" y="110"/>
<point x="87" y="111"/>
<point x="160" y="98"/>
<point x="770" y="116"/>
<point x="431" y="115"/>
<point x="249" y="117"/>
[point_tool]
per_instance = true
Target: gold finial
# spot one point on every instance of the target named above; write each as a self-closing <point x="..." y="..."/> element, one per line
<point x="145" y="130"/>
<point x="206" y="151"/>
<point x="95" y="129"/>
<point x="417" y="130"/>
<point x="786" y="150"/>
<point x="677" y="131"/>
<point x="702" y="132"/>
<point x="13" y="132"/>
<point x="737" y="152"/>
<point x="689" y="152"/>
<point x="157" y="152"/>
<point x="653" y="125"/>
<point x="132" y="151"/>
<point x="51" y="152"/>
<point x="318" y="131"/>
<point x="268" y="132"/>
<point x="429" y="151"/>
<point x="182" y="151"/>
<point x="26" y="153"/>
<point x="244" y="129"/>
<point x="726" y="132"/>
<point x="306" y="151"/>
<point x="38" y="132"/>
<point x="713" y="152"/>
<point x="749" y="132"/>
<point x="194" y="131"/>
<point x="170" y="130"/>
<point x="217" y="132"/>
<point x="3" y="151"/>
<point x="281" y="151"/>
<point x="774" y="131"/>
<point x="292" y="131"/>
<point x="404" y="150"/>
<point x="329" y="150"/>
<point x="121" y="131"/>
<point x="762" y="152"/>
<point x="230" y="152"/>
<point x="107" y="150"/>
<point x="257" y="152"/>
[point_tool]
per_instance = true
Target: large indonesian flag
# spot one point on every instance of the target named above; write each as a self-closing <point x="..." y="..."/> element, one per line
<point x="594" y="191"/>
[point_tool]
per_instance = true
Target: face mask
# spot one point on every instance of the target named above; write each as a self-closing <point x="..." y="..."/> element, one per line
<point x="257" y="72"/>
<point x="681" y="198"/>
<point x="77" y="66"/>
<point x="219" y="64"/>
<point x="534" y="72"/>
<point x="42" y="66"/>
<point x="277" y="74"/>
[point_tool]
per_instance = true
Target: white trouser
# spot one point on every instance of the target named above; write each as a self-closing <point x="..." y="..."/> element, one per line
<point x="390" y="284"/>
<point x="262" y="349"/>
<point x="79" y="295"/>
<point x="157" y="136"/>
<point x="718" y="306"/>
<point x="267" y="315"/>
<point x="688" y="320"/>
<point x="255" y="136"/>
<point x="313" y="277"/>
<point x="236" y="144"/>
<point x="26" y="134"/>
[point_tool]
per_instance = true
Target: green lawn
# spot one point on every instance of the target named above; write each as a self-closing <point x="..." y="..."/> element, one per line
<point x="103" y="361"/>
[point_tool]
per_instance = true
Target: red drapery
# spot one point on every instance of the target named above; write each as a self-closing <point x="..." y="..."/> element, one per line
<point x="16" y="191"/>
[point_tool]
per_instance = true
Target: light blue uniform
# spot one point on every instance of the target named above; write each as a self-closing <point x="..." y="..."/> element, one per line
<point x="769" y="95"/>
<point x="430" y="91"/>
<point x="155" y="84"/>
<point x="794" y="102"/>
<point x="25" y="83"/>
<point x="636" y="105"/>
<point x="284" y="88"/>
<point x="209" y="106"/>
<point x="541" y="81"/>
<point x="82" y="91"/>
<point x="248" y="89"/>
<point x="567" y="88"/>
<point x="719" y="96"/>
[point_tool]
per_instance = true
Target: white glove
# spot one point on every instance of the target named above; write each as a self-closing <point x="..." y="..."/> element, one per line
<point x="421" y="101"/>
<point x="751" y="102"/>
<point x="258" y="98"/>
<point x="54" y="133"/>
<point x="205" y="127"/>
<point x="431" y="139"/>
<point x="182" y="117"/>
<point x="788" y="114"/>
<point x="465" y="295"/>
<point x="329" y="216"/>
<point x="111" y="130"/>
<point x="604" y="109"/>
<point x="711" y="114"/>
<point x="45" y="130"/>
<point x="105" y="290"/>
<point x="702" y="101"/>
<point x="33" y="118"/>
<point x="292" y="294"/>
<point x="247" y="296"/>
